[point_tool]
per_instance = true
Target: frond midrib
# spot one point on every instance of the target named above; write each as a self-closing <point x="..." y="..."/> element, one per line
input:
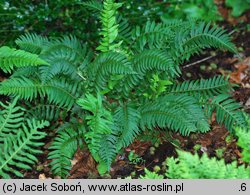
<point x="17" y="151"/>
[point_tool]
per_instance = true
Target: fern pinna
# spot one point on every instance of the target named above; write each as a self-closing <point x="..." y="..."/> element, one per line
<point x="129" y="84"/>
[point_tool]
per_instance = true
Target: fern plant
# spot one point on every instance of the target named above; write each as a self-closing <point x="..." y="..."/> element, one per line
<point x="188" y="166"/>
<point x="243" y="135"/>
<point x="107" y="91"/>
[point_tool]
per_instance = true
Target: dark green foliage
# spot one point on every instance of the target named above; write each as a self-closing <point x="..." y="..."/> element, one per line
<point x="32" y="43"/>
<point x="177" y="112"/>
<point x="105" y="65"/>
<point x="19" y="150"/>
<point x="11" y="57"/>
<point x="227" y="111"/>
<point x="93" y="5"/>
<point x="128" y="85"/>
<point x="126" y="118"/>
<point x="203" y="87"/>
<point x="11" y="118"/>
<point x="63" y="149"/>
<point x="60" y="92"/>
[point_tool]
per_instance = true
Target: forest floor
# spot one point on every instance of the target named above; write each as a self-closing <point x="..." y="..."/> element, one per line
<point x="216" y="143"/>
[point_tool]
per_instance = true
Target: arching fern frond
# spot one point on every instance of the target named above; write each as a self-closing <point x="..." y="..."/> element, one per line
<point x="10" y="58"/>
<point x="150" y="36"/>
<point x="107" y="64"/>
<point x="32" y="42"/>
<point x="124" y="29"/>
<point x="62" y="149"/>
<point x="227" y="111"/>
<point x="44" y="110"/>
<point x="148" y="61"/>
<point x="58" y="91"/>
<point x="202" y="36"/>
<point x="93" y="5"/>
<point x="202" y="87"/>
<point x="65" y="55"/>
<point x="19" y="151"/>
<point x="11" y="118"/>
<point x="177" y="112"/>
<point x="127" y="120"/>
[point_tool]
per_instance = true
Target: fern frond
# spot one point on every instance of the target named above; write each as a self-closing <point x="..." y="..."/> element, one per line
<point x="20" y="150"/>
<point x="65" y="55"/>
<point x="107" y="151"/>
<point x="227" y="111"/>
<point x="63" y="148"/>
<point x="58" y="91"/>
<point x="11" y="118"/>
<point x="188" y="166"/>
<point x="28" y="71"/>
<point x="43" y="110"/>
<point x="10" y="58"/>
<point x="107" y="64"/>
<point x="99" y="121"/>
<point x="32" y="42"/>
<point x="124" y="29"/>
<point x="109" y="26"/>
<point x="127" y="120"/>
<point x="177" y="112"/>
<point x="151" y="175"/>
<point x="202" y="36"/>
<point x="94" y="5"/>
<point x="148" y="61"/>
<point x="150" y="36"/>
<point x="243" y="134"/>
<point x="202" y="87"/>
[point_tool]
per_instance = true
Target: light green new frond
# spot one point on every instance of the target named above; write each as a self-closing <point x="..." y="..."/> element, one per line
<point x="99" y="121"/>
<point x="202" y="87"/>
<point x="176" y="112"/>
<point x="243" y="134"/>
<point x="101" y="135"/>
<point x="10" y="58"/>
<point x="188" y="166"/>
<point x="18" y="151"/>
<point x="11" y="118"/>
<point x="127" y="120"/>
<point x="109" y="30"/>
<point x="32" y="42"/>
<point x="227" y="111"/>
<point x="105" y="65"/>
<point x="62" y="149"/>
<point x="58" y="91"/>
<point x="151" y="175"/>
